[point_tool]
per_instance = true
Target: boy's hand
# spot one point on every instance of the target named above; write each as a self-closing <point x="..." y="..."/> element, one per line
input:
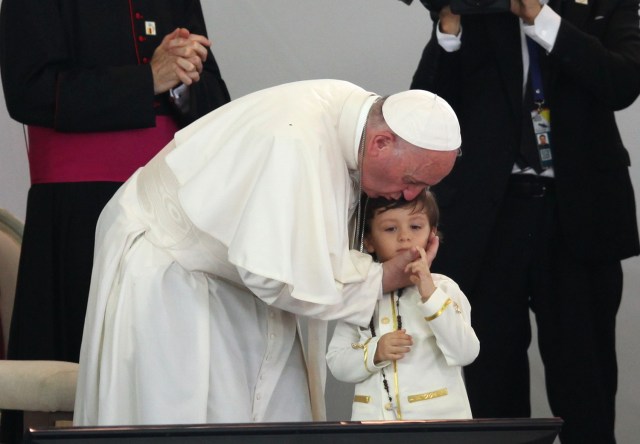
<point x="393" y="346"/>
<point x="420" y="275"/>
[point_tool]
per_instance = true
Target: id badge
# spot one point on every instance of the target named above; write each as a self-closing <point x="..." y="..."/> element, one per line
<point x="541" y="119"/>
<point x="150" y="28"/>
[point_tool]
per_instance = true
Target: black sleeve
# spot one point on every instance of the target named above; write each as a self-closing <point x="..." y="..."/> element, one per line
<point x="77" y="66"/>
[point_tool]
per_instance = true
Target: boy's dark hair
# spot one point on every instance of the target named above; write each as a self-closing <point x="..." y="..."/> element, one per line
<point x="425" y="201"/>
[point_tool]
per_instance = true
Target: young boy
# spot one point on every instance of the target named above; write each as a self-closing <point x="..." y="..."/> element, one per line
<point x="408" y="363"/>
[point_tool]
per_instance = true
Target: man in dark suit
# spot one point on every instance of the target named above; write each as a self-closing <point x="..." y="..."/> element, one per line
<point x="547" y="233"/>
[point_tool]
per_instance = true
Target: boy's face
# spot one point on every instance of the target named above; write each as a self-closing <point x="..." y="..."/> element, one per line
<point x="396" y="230"/>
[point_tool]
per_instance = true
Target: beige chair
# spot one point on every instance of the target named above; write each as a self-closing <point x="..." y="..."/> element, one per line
<point x="10" y="241"/>
<point x="44" y="390"/>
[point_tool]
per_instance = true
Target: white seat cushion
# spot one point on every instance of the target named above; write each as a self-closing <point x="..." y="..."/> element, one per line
<point x="45" y="386"/>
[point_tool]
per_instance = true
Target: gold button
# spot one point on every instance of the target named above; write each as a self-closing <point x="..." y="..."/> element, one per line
<point x="385" y="320"/>
<point x="387" y="406"/>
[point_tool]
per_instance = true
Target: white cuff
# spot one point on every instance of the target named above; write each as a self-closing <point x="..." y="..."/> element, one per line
<point x="448" y="42"/>
<point x="544" y="30"/>
<point x="180" y="97"/>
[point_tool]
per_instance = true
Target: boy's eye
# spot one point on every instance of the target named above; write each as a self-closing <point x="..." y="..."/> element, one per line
<point x="416" y="227"/>
<point x="390" y="229"/>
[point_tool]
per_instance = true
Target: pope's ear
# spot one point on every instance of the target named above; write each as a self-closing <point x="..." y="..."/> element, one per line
<point x="380" y="141"/>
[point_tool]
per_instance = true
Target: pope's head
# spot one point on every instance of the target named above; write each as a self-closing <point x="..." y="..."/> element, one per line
<point x="412" y="141"/>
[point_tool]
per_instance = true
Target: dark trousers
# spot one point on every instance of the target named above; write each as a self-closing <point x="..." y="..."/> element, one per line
<point x="528" y="266"/>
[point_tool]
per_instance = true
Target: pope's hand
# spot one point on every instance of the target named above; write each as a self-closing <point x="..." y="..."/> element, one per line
<point x="432" y="248"/>
<point x="394" y="275"/>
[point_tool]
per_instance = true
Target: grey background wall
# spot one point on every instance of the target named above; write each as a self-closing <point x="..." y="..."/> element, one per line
<point x="376" y="44"/>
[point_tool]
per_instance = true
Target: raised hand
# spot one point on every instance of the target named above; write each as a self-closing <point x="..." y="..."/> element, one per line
<point x="420" y="275"/>
<point x="527" y="10"/>
<point x="449" y="22"/>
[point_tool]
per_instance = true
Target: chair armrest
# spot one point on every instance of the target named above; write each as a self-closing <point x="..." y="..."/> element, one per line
<point x="42" y="386"/>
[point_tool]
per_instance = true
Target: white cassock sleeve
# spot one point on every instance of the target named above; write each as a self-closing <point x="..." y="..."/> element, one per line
<point x="356" y="305"/>
<point x="277" y="196"/>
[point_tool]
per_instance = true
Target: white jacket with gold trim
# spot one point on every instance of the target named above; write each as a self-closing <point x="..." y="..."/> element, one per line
<point x="427" y="383"/>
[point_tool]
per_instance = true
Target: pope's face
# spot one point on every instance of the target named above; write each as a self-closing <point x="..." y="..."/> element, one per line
<point x="396" y="230"/>
<point x="395" y="173"/>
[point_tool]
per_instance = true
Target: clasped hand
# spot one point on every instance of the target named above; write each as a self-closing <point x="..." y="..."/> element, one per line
<point x="178" y="59"/>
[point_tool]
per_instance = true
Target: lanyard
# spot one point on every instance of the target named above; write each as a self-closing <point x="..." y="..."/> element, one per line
<point x="540" y="116"/>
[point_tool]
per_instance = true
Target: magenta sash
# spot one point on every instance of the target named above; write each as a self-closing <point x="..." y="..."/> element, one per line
<point x="111" y="156"/>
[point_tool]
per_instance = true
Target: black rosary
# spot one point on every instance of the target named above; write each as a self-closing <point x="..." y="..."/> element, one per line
<point x="373" y="334"/>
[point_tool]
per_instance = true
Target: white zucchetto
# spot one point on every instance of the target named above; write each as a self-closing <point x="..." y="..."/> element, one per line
<point x="423" y="119"/>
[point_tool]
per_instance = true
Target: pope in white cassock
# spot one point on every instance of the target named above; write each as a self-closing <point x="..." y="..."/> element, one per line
<point x="206" y="257"/>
